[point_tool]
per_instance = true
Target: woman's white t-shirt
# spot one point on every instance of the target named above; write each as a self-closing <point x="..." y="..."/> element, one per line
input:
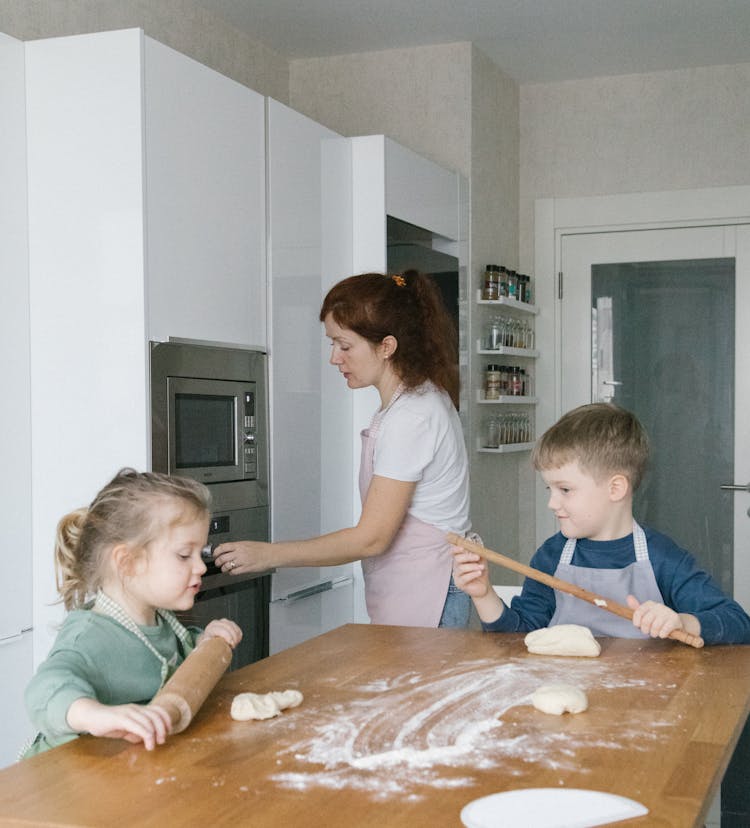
<point x="420" y="439"/>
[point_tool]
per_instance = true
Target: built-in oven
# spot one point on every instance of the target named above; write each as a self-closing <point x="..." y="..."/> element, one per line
<point x="209" y="422"/>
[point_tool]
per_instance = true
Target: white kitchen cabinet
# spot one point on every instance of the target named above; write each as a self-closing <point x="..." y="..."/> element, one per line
<point x="205" y="202"/>
<point x="146" y="220"/>
<point x="389" y="180"/>
<point x="15" y="429"/>
<point x="306" y="601"/>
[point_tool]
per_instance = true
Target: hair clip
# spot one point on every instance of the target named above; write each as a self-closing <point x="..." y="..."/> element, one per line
<point x="399" y="280"/>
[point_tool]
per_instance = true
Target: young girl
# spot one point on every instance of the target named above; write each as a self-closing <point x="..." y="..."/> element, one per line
<point x="124" y="565"/>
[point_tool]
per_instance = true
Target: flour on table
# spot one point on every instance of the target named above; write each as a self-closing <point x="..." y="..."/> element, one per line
<point x="560" y="698"/>
<point x="563" y="640"/>
<point x="246" y="706"/>
<point x="393" y="735"/>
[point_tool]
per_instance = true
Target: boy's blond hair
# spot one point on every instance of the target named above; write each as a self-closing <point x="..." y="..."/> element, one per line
<point x="603" y="438"/>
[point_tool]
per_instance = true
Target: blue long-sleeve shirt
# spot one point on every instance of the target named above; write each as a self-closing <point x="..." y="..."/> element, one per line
<point x="684" y="586"/>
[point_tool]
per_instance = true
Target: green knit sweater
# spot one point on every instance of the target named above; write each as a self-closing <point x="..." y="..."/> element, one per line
<point x="96" y="657"/>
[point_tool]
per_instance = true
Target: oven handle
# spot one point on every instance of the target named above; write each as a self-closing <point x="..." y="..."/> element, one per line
<point x="315" y="589"/>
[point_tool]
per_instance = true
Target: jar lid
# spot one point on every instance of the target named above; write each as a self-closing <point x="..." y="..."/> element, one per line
<point x="493" y="367"/>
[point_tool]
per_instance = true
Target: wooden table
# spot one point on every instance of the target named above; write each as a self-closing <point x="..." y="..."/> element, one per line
<point x="403" y="727"/>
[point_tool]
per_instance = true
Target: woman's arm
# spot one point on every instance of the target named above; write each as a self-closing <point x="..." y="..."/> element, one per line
<point x="383" y="512"/>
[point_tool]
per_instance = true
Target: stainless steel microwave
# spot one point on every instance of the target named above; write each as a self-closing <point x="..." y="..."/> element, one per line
<point x="208" y="412"/>
<point x="212" y="433"/>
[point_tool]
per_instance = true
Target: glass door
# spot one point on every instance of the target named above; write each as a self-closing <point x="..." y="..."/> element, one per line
<point x="654" y="320"/>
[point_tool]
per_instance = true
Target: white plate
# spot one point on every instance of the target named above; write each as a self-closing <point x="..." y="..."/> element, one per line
<point x="549" y="808"/>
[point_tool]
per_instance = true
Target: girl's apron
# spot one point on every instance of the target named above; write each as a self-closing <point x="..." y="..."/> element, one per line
<point x="408" y="583"/>
<point x="637" y="579"/>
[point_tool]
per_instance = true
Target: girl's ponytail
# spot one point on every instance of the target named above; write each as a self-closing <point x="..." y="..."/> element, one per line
<point x="70" y="578"/>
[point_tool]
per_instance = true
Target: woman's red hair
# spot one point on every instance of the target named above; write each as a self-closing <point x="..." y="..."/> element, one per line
<point x="408" y="307"/>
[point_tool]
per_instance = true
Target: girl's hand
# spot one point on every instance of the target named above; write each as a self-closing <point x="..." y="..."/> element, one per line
<point x="656" y="620"/>
<point x="470" y="572"/>
<point x="132" y="722"/>
<point x="224" y="628"/>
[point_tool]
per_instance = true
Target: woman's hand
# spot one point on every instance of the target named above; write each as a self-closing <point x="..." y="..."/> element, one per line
<point x="132" y="722"/>
<point x="241" y="557"/>
<point x="223" y="628"/>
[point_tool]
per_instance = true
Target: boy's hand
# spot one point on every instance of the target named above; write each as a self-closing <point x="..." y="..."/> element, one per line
<point x="470" y="572"/>
<point x="224" y="628"/>
<point x="656" y="620"/>
<point x="132" y="722"/>
<point x="471" y="575"/>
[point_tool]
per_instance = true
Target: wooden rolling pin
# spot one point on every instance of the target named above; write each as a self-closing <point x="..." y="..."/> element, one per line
<point x="190" y="684"/>
<point x="564" y="586"/>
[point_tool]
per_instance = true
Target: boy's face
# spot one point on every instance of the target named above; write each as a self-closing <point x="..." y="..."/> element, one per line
<point x="582" y="505"/>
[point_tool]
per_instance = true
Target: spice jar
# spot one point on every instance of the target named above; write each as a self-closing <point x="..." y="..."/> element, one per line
<point x="494" y="334"/>
<point x="492" y="433"/>
<point x="522" y="283"/>
<point x="492" y="382"/>
<point x="516" y="383"/>
<point x="504" y="380"/>
<point x="491" y="289"/>
<point x="503" y="282"/>
<point x="512" y="284"/>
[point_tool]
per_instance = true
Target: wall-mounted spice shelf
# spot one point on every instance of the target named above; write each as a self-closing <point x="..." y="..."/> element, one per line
<point x="506" y="350"/>
<point x="506" y="448"/>
<point x="508" y="399"/>
<point x="506" y="302"/>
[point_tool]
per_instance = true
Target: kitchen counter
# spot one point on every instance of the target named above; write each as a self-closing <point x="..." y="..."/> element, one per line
<point x="403" y="727"/>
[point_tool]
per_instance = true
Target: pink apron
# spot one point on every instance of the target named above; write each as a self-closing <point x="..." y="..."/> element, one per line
<point x="408" y="583"/>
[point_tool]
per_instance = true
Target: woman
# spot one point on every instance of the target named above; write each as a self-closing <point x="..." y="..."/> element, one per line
<point x="393" y="333"/>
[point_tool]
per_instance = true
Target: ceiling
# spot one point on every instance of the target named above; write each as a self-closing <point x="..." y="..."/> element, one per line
<point x="529" y="40"/>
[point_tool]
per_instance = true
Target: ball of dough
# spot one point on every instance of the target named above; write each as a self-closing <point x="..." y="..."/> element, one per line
<point x="246" y="706"/>
<point x="560" y="698"/>
<point x="563" y="640"/>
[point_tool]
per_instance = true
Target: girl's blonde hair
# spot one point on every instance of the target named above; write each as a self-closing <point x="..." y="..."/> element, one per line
<point x="133" y="509"/>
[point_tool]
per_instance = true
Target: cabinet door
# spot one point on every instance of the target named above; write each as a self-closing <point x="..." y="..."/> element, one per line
<point x="15" y="430"/>
<point x="299" y="350"/>
<point x="205" y="202"/>
<point x="88" y="336"/>
<point x="16" y="670"/>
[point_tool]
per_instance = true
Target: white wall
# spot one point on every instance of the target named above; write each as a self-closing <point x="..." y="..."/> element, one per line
<point x="418" y="97"/>
<point x="186" y="26"/>
<point x="633" y="133"/>
<point x="497" y="480"/>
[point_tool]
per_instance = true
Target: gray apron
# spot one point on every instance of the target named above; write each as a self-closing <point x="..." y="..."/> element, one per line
<point x="637" y="579"/>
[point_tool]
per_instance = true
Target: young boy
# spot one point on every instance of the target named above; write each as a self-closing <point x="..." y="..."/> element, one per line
<point x="592" y="461"/>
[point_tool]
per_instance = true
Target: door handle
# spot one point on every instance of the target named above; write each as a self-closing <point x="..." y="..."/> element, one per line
<point x="611" y="382"/>
<point x="733" y="487"/>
